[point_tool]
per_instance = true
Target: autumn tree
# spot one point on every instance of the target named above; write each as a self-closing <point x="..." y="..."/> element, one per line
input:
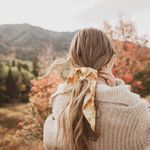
<point x="133" y="55"/>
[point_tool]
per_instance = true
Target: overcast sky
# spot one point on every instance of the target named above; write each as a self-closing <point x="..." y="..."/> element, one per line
<point x="70" y="15"/>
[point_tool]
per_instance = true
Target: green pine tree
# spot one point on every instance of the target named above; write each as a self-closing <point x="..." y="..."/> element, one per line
<point x="11" y="87"/>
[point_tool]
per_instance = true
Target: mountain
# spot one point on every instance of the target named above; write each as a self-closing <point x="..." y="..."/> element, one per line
<point x="27" y="40"/>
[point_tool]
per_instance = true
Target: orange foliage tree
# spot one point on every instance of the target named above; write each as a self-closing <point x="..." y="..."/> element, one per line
<point x="38" y="109"/>
<point x="133" y="55"/>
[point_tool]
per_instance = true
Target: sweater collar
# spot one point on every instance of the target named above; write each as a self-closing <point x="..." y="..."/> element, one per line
<point x="104" y="93"/>
<point x="117" y="94"/>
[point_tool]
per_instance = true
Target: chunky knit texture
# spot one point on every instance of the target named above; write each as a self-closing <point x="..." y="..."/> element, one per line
<point x="122" y="120"/>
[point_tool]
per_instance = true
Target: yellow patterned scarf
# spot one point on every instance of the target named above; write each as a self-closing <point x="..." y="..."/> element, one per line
<point x="77" y="75"/>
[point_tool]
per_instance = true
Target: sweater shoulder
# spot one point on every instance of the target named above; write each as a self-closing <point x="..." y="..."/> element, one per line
<point x="144" y="123"/>
<point x="120" y="94"/>
<point x="124" y="99"/>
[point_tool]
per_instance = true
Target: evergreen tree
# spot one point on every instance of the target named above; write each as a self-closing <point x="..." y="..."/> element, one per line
<point x="24" y="94"/>
<point x="35" y="70"/>
<point x="13" y="63"/>
<point x="11" y="87"/>
<point x="26" y="67"/>
<point x="19" y="66"/>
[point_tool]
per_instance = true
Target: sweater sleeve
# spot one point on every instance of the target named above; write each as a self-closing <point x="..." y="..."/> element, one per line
<point x="50" y="129"/>
<point x="145" y="123"/>
<point x="59" y="104"/>
<point x="58" y="100"/>
<point x="119" y="81"/>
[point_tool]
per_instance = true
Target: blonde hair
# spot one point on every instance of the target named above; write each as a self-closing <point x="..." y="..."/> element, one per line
<point x="90" y="47"/>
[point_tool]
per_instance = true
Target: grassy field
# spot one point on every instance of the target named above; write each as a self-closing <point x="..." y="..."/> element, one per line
<point x="10" y="115"/>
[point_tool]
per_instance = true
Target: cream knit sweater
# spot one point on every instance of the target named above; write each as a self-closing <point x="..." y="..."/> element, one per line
<point x="123" y="119"/>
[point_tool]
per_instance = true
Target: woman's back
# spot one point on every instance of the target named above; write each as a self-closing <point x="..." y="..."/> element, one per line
<point x="122" y="119"/>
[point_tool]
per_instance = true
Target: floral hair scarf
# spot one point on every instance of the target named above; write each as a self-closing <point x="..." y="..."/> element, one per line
<point x="78" y="75"/>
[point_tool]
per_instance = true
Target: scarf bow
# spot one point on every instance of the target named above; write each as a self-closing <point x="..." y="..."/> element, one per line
<point x="77" y="75"/>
